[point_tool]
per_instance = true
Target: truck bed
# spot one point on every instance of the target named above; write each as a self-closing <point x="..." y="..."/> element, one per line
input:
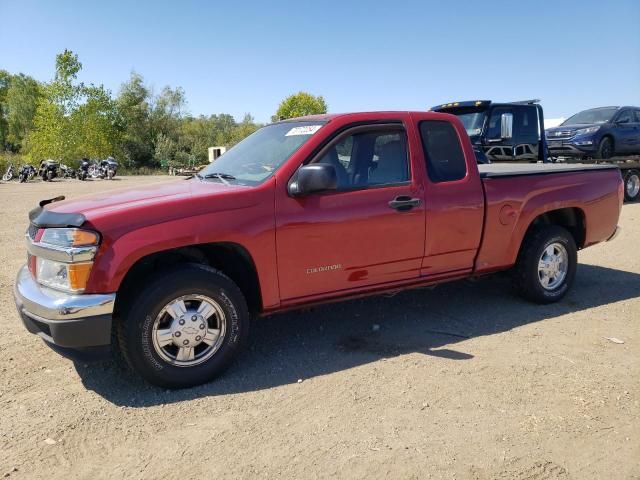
<point x="494" y="170"/>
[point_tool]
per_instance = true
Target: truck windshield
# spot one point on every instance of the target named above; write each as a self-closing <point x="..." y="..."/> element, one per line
<point x="258" y="156"/>
<point x="597" y="115"/>
<point x="472" y="122"/>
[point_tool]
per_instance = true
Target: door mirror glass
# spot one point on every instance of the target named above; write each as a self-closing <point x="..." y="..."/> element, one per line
<point x="317" y="177"/>
<point x="506" y="125"/>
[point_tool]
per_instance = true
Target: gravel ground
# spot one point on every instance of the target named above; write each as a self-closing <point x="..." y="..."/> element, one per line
<point x="461" y="381"/>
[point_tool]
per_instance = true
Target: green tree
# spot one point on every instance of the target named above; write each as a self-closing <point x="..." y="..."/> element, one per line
<point x="5" y="82"/>
<point x="96" y="125"/>
<point x="165" y="151"/>
<point x="166" y="113"/>
<point x="299" y="105"/>
<point x="73" y="120"/>
<point x="22" y="98"/>
<point x="134" y="112"/>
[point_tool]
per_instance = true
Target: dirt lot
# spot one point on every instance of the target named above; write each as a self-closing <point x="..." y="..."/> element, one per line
<point x="462" y="381"/>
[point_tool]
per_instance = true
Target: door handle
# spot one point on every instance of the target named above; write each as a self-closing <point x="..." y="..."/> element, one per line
<point x="404" y="203"/>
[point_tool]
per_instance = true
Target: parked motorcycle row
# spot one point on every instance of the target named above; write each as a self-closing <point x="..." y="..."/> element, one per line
<point x="50" y="169"/>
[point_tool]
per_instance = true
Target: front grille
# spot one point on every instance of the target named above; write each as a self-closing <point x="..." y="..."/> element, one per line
<point x="560" y="135"/>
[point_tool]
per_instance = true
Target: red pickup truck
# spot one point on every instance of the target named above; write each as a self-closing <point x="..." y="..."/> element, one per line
<point x="304" y="211"/>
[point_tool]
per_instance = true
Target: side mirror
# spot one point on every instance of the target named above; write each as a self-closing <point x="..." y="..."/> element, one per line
<point x="506" y="125"/>
<point x="316" y="177"/>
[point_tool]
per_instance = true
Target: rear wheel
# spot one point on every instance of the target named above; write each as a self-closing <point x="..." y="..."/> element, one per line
<point x="185" y="328"/>
<point x="546" y="264"/>
<point x="632" y="185"/>
<point x="605" y="149"/>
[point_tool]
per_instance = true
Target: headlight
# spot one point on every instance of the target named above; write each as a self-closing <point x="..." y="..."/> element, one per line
<point x="62" y="258"/>
<point x="584" y="131"/>
<point x="70" y="237"/>
<point x="71" y="277"/>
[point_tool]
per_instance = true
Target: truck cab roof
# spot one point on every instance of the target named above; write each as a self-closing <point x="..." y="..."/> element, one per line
<point x="480" y="104"/>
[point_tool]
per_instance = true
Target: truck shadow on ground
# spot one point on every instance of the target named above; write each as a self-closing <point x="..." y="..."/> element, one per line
<point x="319" y="341"/>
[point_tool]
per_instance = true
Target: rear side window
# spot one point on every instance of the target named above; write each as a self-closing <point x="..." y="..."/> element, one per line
<point x="442" y="151"/>
<point x="526" y="123"/>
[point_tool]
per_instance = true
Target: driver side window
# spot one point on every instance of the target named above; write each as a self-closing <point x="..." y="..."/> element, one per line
<point x="369" y="158"/>
<point x="625" y="117"/>
<point x="494" y="130"/>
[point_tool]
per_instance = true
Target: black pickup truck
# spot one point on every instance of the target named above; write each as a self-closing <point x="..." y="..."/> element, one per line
<point x="512" y="131"/>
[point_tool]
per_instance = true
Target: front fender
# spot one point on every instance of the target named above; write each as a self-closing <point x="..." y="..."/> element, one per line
<point x="251" y="228"/>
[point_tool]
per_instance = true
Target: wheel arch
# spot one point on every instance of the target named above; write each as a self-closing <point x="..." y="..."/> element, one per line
<point x="571" y="218"/>
<point x="232" y="259"/>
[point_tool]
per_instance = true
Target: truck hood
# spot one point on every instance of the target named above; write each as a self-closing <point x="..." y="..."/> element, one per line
<point x="155" y="200"/>
<point x="122" y="197"/>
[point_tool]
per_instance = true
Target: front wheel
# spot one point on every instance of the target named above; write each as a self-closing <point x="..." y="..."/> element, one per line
<point x="185" y="328"/>
<point x="546" y="265"/>
<point x="605" y="149"/>
<point x="632" y="185"/>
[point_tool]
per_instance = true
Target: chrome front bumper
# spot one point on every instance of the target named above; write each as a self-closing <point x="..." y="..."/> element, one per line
<point x="64" y="319"/>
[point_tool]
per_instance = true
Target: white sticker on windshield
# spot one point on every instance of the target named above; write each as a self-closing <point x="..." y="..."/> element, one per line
<point x="306" y="130"/>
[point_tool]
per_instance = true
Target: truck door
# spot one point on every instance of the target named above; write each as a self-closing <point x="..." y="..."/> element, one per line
<point x="454" y="198"/>
<point x="369" y="231"/>
<point x="497" y="148"/>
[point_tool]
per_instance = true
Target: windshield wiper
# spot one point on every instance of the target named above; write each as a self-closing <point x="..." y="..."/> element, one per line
<point x="223" y="177"/>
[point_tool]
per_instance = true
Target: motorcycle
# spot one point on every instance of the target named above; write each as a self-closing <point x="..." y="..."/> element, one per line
<point x="83" y="169"/>
<point x="9" y="173"/>
<point x="26" y="173"/>
<point x="48" y="170"/>
<point x="105" y="169"/>
<point x="109" y="167"/>
<point x="67" y="172"/>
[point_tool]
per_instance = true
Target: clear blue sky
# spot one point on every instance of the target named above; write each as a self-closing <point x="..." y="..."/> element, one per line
<point x="241" y="56"/>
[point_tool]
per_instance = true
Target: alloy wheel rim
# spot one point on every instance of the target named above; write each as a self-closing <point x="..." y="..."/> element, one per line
<point x="189" y="330"/>
<point x="633" y="185"/>
<point x="553" y="266"/>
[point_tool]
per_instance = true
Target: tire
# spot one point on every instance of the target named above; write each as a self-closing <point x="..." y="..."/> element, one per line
<point x="529" y="279"/>
<point x="605" y="149"/>
<point x="632" y="185"/>
<point x="146" y="315"/>
<point x="49" y="175"/>
<point x="22" y="177"/>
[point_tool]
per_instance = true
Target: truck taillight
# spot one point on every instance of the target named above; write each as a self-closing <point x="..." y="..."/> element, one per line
<point x="621" y="191"/>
